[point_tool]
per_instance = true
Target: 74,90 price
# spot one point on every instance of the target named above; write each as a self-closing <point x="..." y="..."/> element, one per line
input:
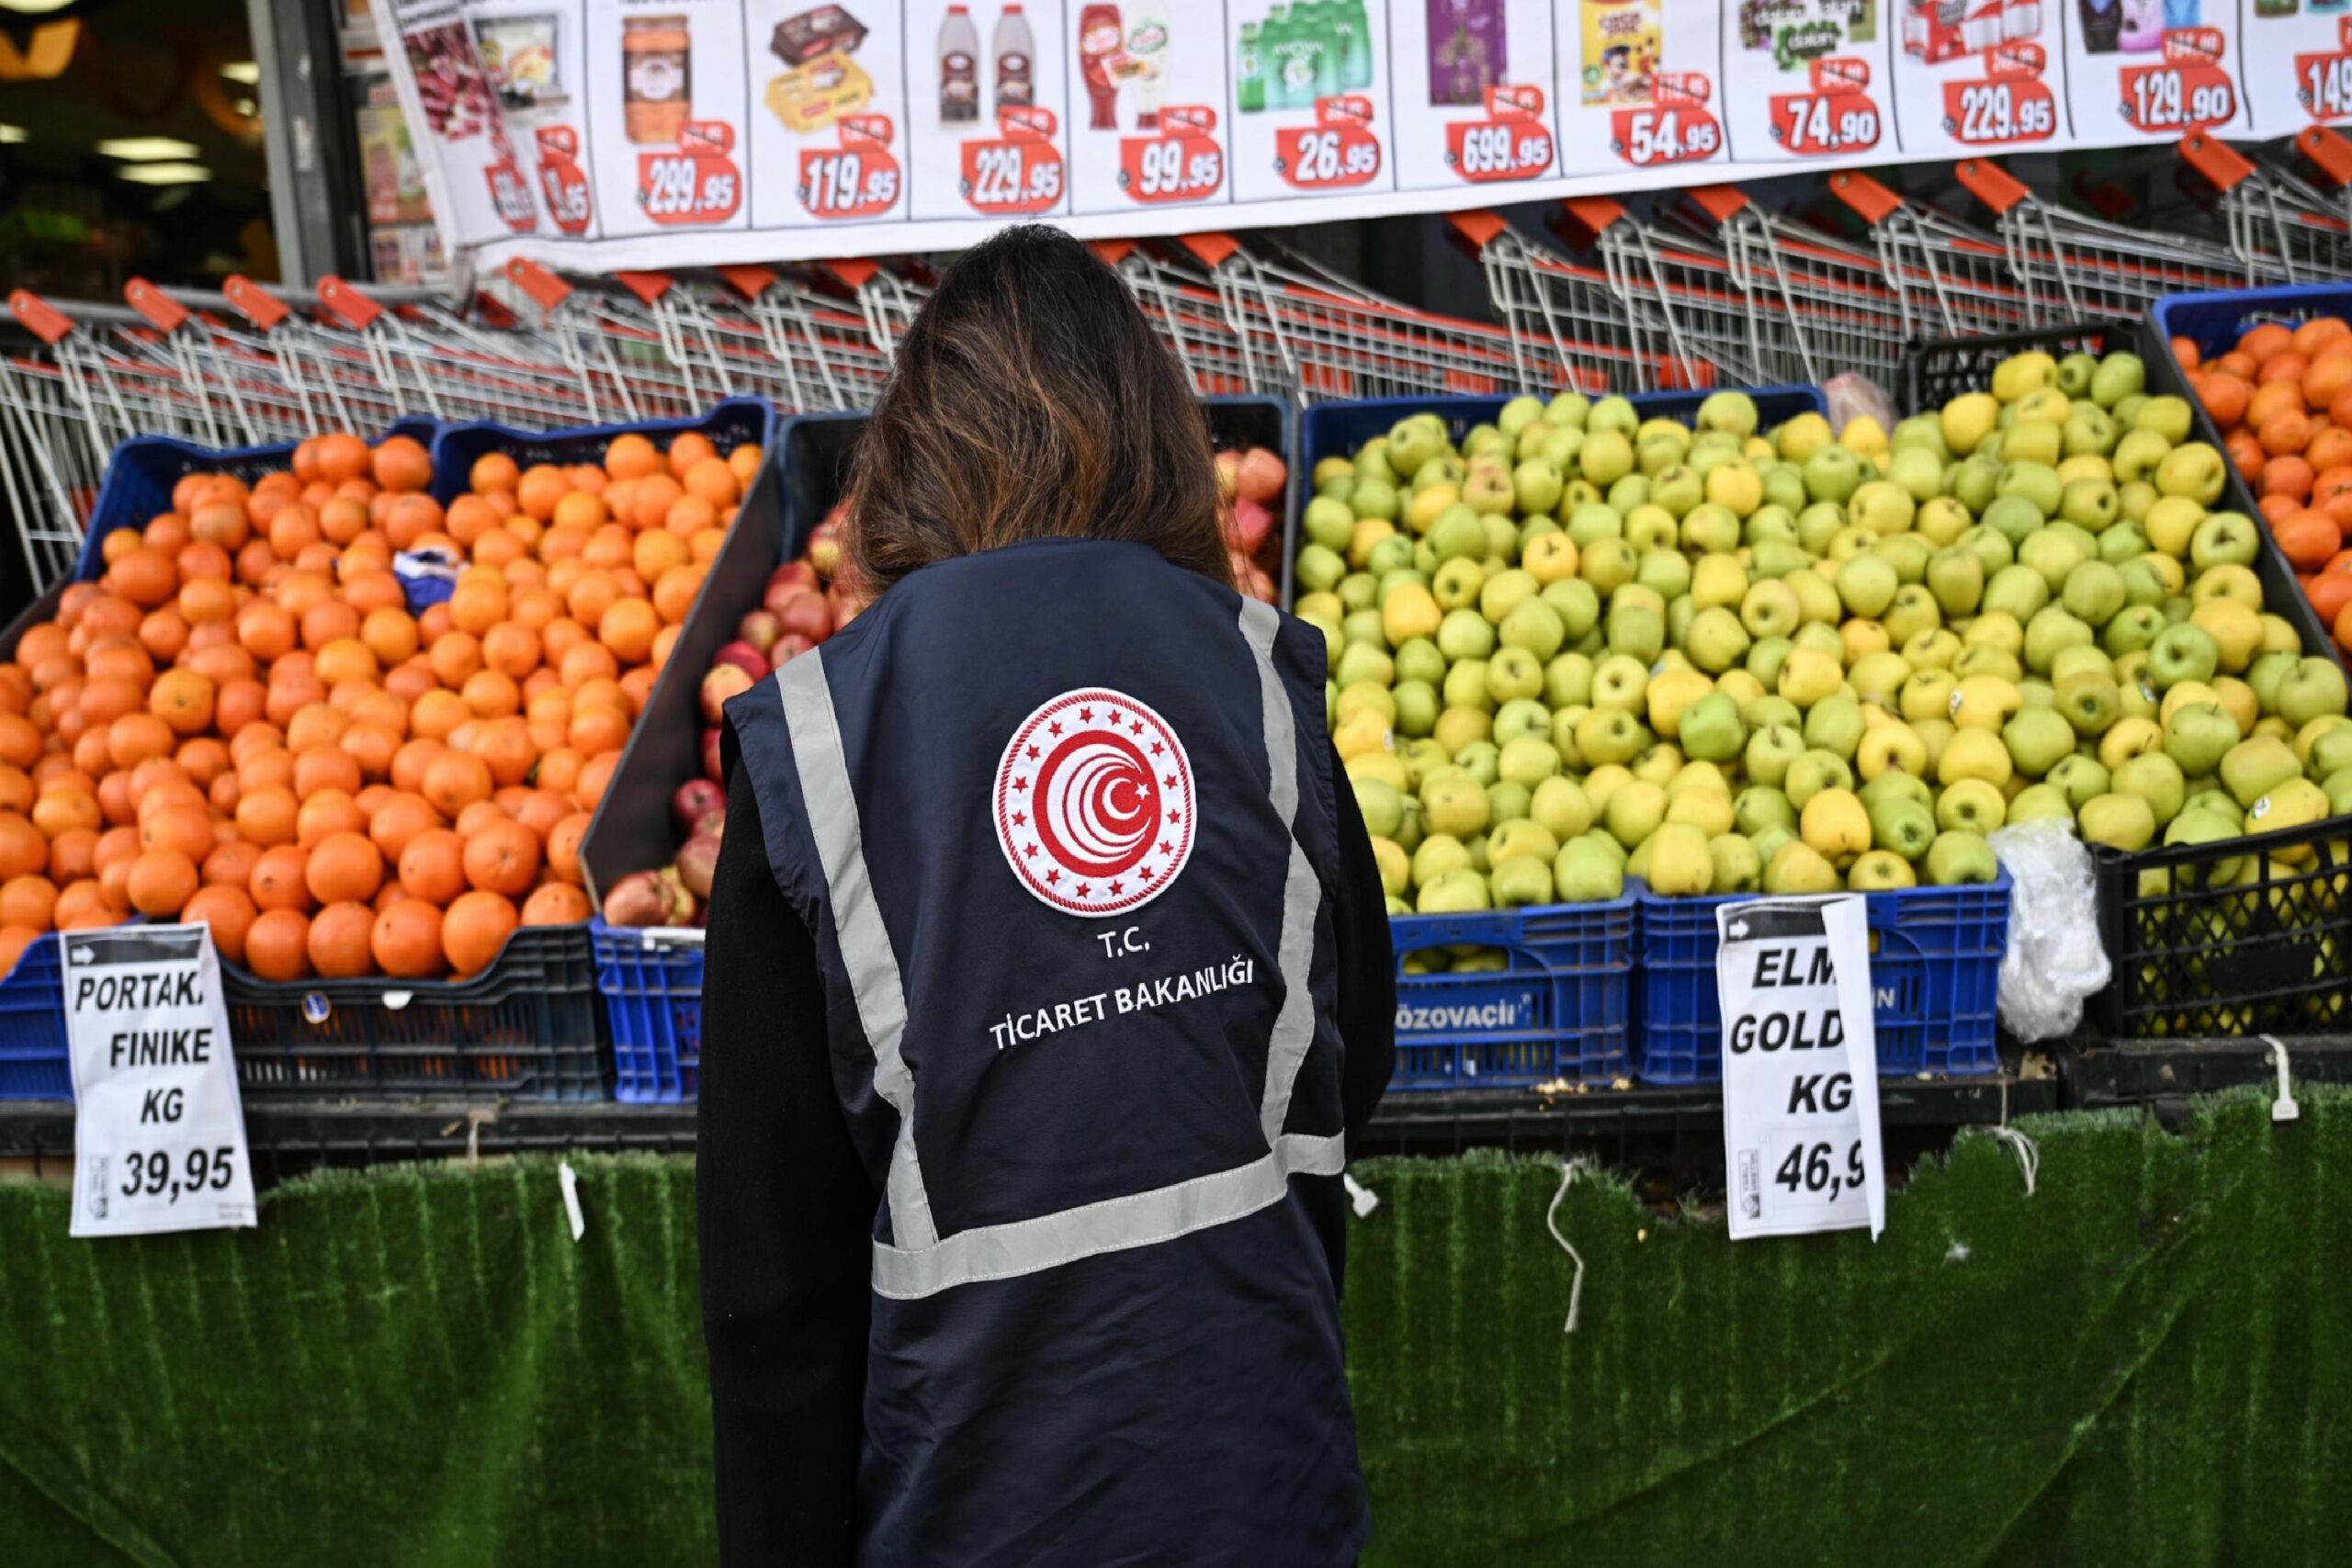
<point x="153" y="1173"/>
<point x="1993" y="112"/>
<point x="1826" y="122"/>
<point x="1810" y="1169"/>
<point x="835" y="183"/>
<point x="1665" y="136"/>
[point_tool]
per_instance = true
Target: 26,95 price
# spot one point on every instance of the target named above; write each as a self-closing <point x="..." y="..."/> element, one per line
<point x="1328" y="157"/>
<point x="1813" y="1170"/>
<point x="154" y="1173"/>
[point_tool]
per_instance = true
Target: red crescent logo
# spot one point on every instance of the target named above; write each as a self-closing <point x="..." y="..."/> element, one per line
<point x="1094" y="803"/>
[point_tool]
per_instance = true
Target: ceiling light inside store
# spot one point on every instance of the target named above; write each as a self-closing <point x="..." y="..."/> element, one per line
<point x="147" y="149"/>
<point x="165" y="174"/>
<point x="12" y="134"/>
<point x="34" y="7"/>
<point x="244" y="71"/>
<point x="246" y="106"/>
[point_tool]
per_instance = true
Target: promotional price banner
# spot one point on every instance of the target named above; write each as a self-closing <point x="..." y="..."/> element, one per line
<point x="620" y="135"/>
<point x="158" y="1133"/>
<point x="1799" y="1055"/>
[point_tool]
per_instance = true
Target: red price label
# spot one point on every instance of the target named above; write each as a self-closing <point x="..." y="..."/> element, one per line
<point x="1171" y="168"/>
<point x="510" y="194"/>
<point x="696" y="184"/>
<point x="2176" y="97"/>
<point x="2324" y="85"/>
<point x="561" y="183"/>
<point x="1662" y="133"/>
<point x="1003" y="178"/>
<point x="1820" y="125"/>
<point x="1999" y="113"/>
<point x="1485" y="151"/>
<point x="839" y="183"/>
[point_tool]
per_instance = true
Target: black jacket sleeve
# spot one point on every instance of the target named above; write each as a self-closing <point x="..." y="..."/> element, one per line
<point x="1367" y="967"/>
<point x="786" y="1214"/>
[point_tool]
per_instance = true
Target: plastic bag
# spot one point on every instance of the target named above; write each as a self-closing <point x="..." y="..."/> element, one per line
<point x="2054" y="960"/>
<point x="1852" y="397"/>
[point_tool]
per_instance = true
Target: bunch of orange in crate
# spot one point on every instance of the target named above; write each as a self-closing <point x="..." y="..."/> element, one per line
<point x="2282" y="401"/>
<point x="241" y="723"/>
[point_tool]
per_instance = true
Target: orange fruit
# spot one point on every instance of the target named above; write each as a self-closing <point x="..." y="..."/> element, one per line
<point x="337" y="942"/>
<point x="629" y="629"/>
<point x="141" y="574"/>
<point x="329" y="812"/>
<point x="688" y="449"/>
<point x="183" y="700"/>
<point x="230" y="865"/>
<point x="279" y="880"/>
<point x="23" y="849"/>
<point x="475" y="928"/>
<point x="503" y="857"/>
<point x="344" y="868"/>
<point x="27" y="901"/>
<point x="398" y="820"/>
<point x="162" y="881"/>
<point x="405" y="940"/>
<point x="432" y="865"/>
<point x="81" y="905"/>
<point x="556" y="904"/>
<point x="72" y="856"/>
<point x="277" y="945"/>
<point x="595" y="779"/>
<point x="2307" y="539"/>
<point x="324" y="767"/>
<point x="184" y="828"/>
<point x="399" y="463"/>
<point x="227" y="911"/>
<point x="455" y="781"/>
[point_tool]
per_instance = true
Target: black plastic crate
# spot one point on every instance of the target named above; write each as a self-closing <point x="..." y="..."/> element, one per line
<point x="531" y="1026"/>
<point x="1939" y="370"/>
<point x="2197" y="954"/>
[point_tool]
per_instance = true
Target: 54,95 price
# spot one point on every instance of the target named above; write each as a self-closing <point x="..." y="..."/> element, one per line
<point x="154" y="1173"/>
<point x="1648" y="137"/>
<point x="1813" y="1171"/>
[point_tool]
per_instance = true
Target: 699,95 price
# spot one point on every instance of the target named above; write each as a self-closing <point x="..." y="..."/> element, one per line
<point x="171" y="1175"/>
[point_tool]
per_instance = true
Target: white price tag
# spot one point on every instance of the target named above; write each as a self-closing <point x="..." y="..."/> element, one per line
<point x="158" y="1133"/>
<point x="1800" y="1053"/>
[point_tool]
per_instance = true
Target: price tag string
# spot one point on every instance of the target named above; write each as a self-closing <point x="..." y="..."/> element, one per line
<point x="1551" y="1222"/>
<point x="2028" y="1156"/>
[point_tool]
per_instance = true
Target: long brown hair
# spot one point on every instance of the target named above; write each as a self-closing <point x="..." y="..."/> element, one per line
<point x="1031" y="401"/>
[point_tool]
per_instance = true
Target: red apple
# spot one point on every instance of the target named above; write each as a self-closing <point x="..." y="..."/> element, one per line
<point x="638" y="900"/>
<point x="723" y="681"/>
<point x="693" y="800"/>
<point x="1229" y="476"/>
<point x="696" y="862"/>
<point x="710" y="768"/>
<point x="807" y="613"/>
<point x="1262" y="476"/>
<point x="1249" y="526"/>
<point x="788" y="647"/>
<point x="794" y="574"/>
<point x="745" y="656"/>
<point x="760" y="628"/>
<point x="825" y="546"/>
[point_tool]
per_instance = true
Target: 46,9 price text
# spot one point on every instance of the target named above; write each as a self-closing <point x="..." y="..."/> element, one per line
<point x="1991" y="114"/>
<point x="151" y="1173"/>
<point x="1819" y="124"/>
<point x="1809" y="1170"/>
<point x="1651" y="136"/>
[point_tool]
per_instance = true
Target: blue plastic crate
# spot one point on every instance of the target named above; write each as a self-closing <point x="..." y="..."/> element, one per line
<point x="728" y="424"/>
<point x="34" y="1061"/>
<point x="1336" y="430"/>
<point x="2215" y="322"/>
<point x="1559" y="1011"/>
<point x="653" y="996"/>
<point x="1935" y="977"/>
<point x="142" y="471"/>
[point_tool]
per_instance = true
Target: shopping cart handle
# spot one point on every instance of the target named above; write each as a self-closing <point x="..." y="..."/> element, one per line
<point x="2217" y="160"/>
<point x="1870" y="201"/>
<point x="1479" y="226"/>
<point x="543" y="287"/>
<point x="1990" y="184"/>
<point x="647" y="286"/>
<point x="1722" y="203"/>
<point x="1212" y="249"/>
<point x="1110" y="253"/>
<point x="38" y="317"/>
<point x="1595" y="213"/>
<point x="357" y="309"/>
<point x="854" y="271"/>
<point x="750" y="282"/>
<point x="163" y="312"/>
<point x="2329" y="152"/>
<point x="254" y="302"/>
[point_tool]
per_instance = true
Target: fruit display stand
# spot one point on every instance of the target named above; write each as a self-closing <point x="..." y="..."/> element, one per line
<point x="1939" y="370"/>
<point x="651" y="979"/>
<point x="1557" y="1014"/>
<point x="1934" y="978"/>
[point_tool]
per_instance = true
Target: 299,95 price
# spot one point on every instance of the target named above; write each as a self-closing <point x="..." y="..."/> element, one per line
<point x="169" y="1175"/>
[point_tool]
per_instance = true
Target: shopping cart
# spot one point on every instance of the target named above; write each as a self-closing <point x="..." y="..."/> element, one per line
<point x="1182" y="302"/>
<point x="2073" y="267"/>
<point x="1330" y="338"/>
<point x="1947" y="280"/>
<point x="2282" y="227"/>
<point x="1816" y="305"/>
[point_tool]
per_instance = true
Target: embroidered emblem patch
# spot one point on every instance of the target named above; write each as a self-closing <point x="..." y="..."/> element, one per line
<point x="1094" y="803"/>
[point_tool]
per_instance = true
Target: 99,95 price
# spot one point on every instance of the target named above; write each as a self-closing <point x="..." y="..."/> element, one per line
<point x="157" y="1173"/>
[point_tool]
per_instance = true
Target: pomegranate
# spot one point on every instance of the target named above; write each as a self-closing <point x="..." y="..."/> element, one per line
<point x="638" y="900"/>
<point x="1249" y="526"/>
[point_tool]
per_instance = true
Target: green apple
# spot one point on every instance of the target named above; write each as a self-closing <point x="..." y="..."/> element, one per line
<point x="2119" y="376"/>
<point x="1958" y="858"/>
<point x="1634" y="811"/>
<point x="2037" y="737"/>
<point x="1813" y="773"/>
<point x="2133" y="627"/>
<point x="1457" y="533"/>
<point x="2137" y="455"/>
<point x="1583" y="873"/>
<point x="2313" y="689"/>
<point x="2197" y="736"/>
<point x="1606" y="457"/>
<point x="1835" y="725"/>
<point x="2195" y="470"/>
<point x="1609" y="735"/>
<point x="1512" y="673"/>
<point x="1711" y="728"/>
<point x="2119" y="821"/>
<point x="2257" y="765"/>
<point x="1971" y="806"/>
<point x="1903" y="826"/>
<point x="1560" y="807"/>
<point x="1795" y="868"/>
<point x="2156" y="779"/>
<point x="1976" y="754"/>
<point x="1459" y="892"/>
<point x="1578" y="604"/>
<point x="1760" y="807"/>
<point x="1416" y="708"/>
<point x="1464" y="635"/>
<point x="2093" y="592"/>
<point x="2168" y="417"/>
<point x="1967" y="419"/>
<point x="2182" y="652"/>
<point x="2038" y="801"/>
<point x="1441" y="855"/>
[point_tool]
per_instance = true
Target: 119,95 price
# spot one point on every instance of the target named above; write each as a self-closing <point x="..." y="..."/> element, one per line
<point x="153" y="1173"/>
<point x="1813" y="1169"/>
<point x="848" y="184"/>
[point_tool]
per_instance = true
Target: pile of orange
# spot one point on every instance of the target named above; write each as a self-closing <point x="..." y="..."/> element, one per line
<point x="240" y="722"/>
<point x="2282" y="401"/>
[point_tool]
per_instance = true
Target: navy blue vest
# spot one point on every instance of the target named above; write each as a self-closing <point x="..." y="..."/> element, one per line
<point x="1061" y="818"/>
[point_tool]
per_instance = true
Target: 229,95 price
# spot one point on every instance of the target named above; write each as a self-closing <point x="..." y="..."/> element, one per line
<point x="153" y="1173"/>
<point x="1811" y="1169"/>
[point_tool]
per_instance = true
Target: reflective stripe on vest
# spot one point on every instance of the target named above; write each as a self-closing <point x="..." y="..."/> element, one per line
<point x="920" y="1262"/>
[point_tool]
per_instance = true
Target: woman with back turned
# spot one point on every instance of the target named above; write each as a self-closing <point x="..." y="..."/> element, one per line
<point x="1048" y="979"/>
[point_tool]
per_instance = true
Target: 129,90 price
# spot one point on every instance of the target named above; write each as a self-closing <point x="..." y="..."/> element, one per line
<point x="1990" y="112"/>
<point x="2167" y="100"/>
<point x="1810" y="1169"/>
<point x="153" y="1174"/>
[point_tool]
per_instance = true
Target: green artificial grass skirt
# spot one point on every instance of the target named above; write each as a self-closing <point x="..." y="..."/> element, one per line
<point x="2150" y="1362"/>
